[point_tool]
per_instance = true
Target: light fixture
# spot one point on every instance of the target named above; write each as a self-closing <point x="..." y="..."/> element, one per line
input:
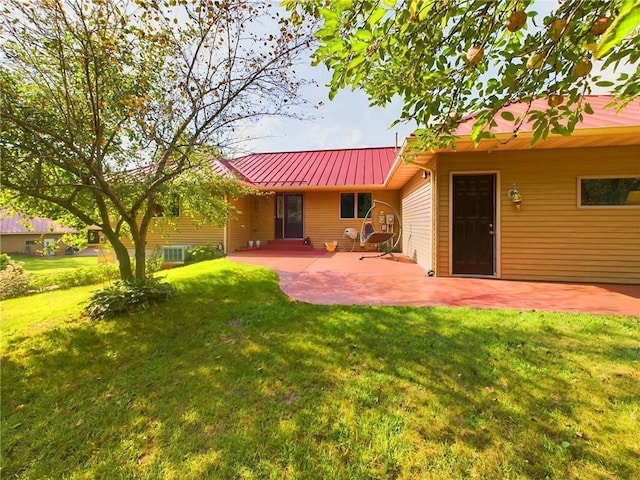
<point x="515" y="196"/>
<point x="425" y="175"/>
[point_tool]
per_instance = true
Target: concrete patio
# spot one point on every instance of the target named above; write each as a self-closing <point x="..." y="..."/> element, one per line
<point x="341" y="278"/>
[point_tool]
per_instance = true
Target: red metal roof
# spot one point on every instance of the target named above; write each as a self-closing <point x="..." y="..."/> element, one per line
<point x="320" y="168"/>
<point x="15" y="224"/>
<point x="601" y="118"/>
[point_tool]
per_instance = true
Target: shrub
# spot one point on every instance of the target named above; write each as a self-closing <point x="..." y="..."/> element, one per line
<point x="202" y="253"/>
<point x="154" y="262"/>
<point x="14" y="282"/>
<point x="128" y="296"/>
<point x="4" y="261"/>
<point x="76" y="277"/>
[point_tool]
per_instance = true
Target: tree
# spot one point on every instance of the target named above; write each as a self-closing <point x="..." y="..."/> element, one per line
<point x="111" y="107"/>
<point x="447" y="59"/>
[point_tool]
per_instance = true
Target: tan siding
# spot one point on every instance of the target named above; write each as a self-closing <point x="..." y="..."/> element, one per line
<point x="239" y="226"/>
<point x="550" y="238"/>
<point x="417" y="221"/>
<point x="182" y="231"/>
<point x="263" y="218"/>
<point x="322" y="220"/>
<point x="15" y="243"/>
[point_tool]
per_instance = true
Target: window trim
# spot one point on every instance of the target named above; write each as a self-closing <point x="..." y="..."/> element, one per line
<point x="600" y="177"/>
<point x="355" y="204"/>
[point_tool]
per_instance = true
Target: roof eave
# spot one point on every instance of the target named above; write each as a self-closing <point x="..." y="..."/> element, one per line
<point x="503" y="137"/>
<point x="502" y="140"/>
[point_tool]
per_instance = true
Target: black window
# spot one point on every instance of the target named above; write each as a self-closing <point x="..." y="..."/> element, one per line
<point x="354" y="205"/>
<point x="170" y="207"/>
<point x="609" y="191"/>
<point x="364" y="204"/>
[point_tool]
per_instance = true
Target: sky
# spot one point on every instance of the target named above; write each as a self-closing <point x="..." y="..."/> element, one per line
<point x="347" y="121"/>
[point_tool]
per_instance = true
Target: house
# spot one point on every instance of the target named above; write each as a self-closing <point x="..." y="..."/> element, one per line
<point x="563" y="210"/>
<point x="315" y="195"/>
<point x="566" y="209"/>
<point x="20" y="234"/>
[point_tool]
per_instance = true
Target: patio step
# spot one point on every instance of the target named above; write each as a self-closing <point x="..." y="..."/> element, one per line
<point x="290" y="245"/>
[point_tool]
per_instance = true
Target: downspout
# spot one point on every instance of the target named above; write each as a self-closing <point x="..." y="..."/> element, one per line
<point x="434" y="217"/>
<point x="225" y="231"/>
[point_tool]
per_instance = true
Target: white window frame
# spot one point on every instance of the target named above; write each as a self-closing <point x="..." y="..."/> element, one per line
<point x="600" y="177"/>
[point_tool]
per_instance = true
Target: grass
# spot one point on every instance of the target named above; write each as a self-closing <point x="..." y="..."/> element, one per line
<point x="231" y="380"/>
<point x="53" y="265"/>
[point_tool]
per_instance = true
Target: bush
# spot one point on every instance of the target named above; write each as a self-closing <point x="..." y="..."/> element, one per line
<point x="154" y="262"/>
<point x="77" y="277"/>
<point x="14" y="282"/>
<point x="4" y="261"/>
<point x="202" y="253"/>
<point x="128" y="296"/>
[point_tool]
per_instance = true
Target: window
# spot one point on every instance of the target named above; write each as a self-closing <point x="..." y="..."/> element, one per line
<point x="611" y="191"/>
<point x="354" y="205"/>
<point x="174" y="253"/>
<point x="170" y="208"/>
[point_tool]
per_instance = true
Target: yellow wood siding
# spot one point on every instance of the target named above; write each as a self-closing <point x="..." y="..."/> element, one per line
<point x="263" y="211"/>
<point x="550" y="238"/>
<point x="182" y="230"/>
<point x="239" y="225"/>
<point x="417" y="239"/>
<point x="322" y="222"/>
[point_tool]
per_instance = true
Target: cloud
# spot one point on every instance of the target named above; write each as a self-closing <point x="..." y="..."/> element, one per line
<point x="346" y="122"/>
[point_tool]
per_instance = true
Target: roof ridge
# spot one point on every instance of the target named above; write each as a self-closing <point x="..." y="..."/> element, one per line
<point x="318" y="150"/>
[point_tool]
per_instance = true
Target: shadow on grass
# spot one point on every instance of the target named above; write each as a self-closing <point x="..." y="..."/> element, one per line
<point x="232" y="380"/>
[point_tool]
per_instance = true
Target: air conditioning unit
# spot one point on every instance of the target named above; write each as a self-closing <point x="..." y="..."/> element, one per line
<point x="175" y="253"/>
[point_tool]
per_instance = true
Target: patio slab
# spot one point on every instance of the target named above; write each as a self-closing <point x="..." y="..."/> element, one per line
<point x="340" y="278"/>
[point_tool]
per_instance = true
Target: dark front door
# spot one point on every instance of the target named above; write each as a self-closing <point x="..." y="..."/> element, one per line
<point x="289" y="215"/>
<point x="473" y="224"/>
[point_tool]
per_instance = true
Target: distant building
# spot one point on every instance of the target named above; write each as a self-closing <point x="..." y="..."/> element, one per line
<point x="20" y="234"/>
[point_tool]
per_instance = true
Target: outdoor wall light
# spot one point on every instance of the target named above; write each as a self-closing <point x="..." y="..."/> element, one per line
<point x="515" y="196"/>
<point x="426" y="175"/>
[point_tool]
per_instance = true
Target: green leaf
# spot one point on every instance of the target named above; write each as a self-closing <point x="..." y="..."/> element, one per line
<point x="363" y="34"/>
<point x="625" y="23"/>
<point x="376" y="16"/>
<point x="588" y="109"/>
<point x="357" y="60"/>
<point x="328" y="14"/>
<point x="508" y="116"/>
<point x="425" y="10"/>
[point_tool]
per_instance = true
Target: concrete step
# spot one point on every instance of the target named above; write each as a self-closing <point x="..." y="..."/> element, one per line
<point x="286" y="245"/>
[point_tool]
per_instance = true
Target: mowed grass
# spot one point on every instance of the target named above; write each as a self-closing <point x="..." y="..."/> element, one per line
<point x="232" y="380"/>
<point x="51" y="265"/>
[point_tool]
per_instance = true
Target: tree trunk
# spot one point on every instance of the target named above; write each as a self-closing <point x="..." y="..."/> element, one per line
<point x="141" y="256"/>
<point x="122" y="254"/>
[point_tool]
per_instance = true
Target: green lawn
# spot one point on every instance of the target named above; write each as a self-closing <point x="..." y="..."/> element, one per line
<point x="51" y="265"/>
<point x="231" y="380"/>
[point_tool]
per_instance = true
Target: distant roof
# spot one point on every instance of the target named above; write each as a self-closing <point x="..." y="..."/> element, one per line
<point x="15" y="224"/>
<point x="601" y="118"/>
<point x="319" y="168"/>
